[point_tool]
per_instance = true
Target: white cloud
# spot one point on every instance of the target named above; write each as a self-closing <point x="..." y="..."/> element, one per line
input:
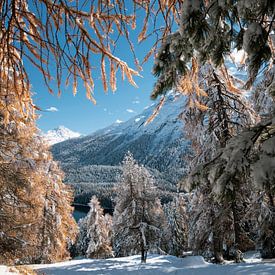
<point x="139" y="118"/>
<point x="130" y="111"/>
<point x="119" y="121"/>
<point x="136" y="102"/>
<point x="52" y="109"/>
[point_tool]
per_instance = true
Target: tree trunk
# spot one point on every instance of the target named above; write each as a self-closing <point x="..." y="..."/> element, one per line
<point x="217" y="247"/>
<point x="238" y="255"/>
<point x="268" y="241"/>
<point x="217" y="238"/>
<point x="143" y="254"/>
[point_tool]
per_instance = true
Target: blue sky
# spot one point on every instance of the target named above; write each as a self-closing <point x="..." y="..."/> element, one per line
<point x="79" y="114"/>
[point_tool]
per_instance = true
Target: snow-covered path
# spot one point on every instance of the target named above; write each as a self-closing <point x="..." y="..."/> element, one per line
<point x="156" y="264"/>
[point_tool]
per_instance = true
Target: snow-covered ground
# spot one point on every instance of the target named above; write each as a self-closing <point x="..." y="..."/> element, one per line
<point x="156" y="264"/>
<point x="4" y="270"/>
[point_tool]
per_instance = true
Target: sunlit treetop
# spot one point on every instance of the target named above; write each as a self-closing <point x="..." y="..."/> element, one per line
<point x="68" y="40"/>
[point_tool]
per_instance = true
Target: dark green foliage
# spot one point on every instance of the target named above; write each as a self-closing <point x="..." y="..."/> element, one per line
<point x="170" y="63"/>
<point x="212" y="29"/>
<point x="256" y="61"/>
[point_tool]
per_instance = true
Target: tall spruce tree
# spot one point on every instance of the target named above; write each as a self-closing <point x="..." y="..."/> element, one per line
<point x="138" y="216"/>
<point x="94" y="239"/>
<point x="222" y="113"/>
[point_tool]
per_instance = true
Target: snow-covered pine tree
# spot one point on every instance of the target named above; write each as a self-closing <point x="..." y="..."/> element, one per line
<point x="222" y="113"/>
<point x="263" y="205"/>
<point x="215" y="110"/>
<point x="57" y="227"/>
<point x="262" y="156"/>
<point x="138" y="216"/>
<point x="249" y="155"/>
<point x="79" y="248"/>
<point x="176" y="213"/>
<point x="35" y="210"/>
<point x="210" y="30"/>
<point x="94" y="239"/>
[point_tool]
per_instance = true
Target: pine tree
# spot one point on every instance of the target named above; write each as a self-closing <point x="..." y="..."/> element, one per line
<point x="177" y="218"/>
<point x="209" y="32"/>
<point x="94" y="239"/>
<point x="35" y="210"/>
<point x="138" y="216"/>
<point x="248" y="157"/>
<point x="216" y="110"/>
<point x="222" y="113"/>
<point x="57" y="227"/>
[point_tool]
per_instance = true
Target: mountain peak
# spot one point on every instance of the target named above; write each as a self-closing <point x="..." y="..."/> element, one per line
<point x="60" y="134"/>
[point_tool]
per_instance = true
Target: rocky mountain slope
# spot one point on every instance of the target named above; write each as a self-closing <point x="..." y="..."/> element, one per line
<point x="160" y="145"/>
<point x="92" y="163"/>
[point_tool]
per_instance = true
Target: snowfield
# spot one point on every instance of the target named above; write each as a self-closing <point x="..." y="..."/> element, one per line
<point x="4" y="270"/>
<point x="156" y="264"/>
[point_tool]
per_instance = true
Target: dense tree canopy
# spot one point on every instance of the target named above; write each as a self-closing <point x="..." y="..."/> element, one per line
<point x="210" y="30"/>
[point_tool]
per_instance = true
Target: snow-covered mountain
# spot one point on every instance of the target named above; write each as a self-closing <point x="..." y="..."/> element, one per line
<point x="60" y="134"/>
<point x="160" y="145"/>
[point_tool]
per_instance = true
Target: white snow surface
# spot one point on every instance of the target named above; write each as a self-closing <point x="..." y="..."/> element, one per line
<point x="60" y="134"/>
<point x="156" y="264"/>
<point x="4" y="270"/>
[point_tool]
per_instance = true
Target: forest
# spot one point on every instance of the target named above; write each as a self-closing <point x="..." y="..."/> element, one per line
<point x="226" y="206"/>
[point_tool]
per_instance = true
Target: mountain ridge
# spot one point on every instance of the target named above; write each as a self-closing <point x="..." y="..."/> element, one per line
<point x="59" y="134"/>
<point x="92" y="164"/>
<point x="160" y="145"/>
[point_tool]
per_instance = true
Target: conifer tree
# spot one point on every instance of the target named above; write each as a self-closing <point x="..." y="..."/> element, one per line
<point x="216" y="109"/>
<point x="177" y="218"/>
<point x="138" y="216"/>
<point x="57" y="227"/>
<point x="250" y="155"/>
<point x="209" y="32"/>
<point x="222" y="113"/>
<point x="35" y="210"/>
<point x="94" y="239"/>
